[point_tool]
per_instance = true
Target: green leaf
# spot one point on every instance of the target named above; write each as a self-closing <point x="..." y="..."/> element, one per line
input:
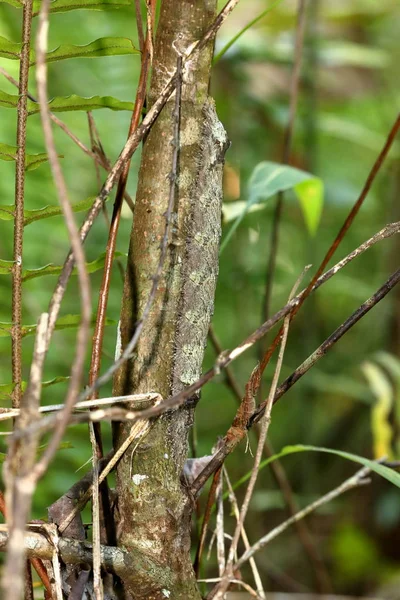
<point x="9" y="49"/>
<point x="267" y="179"/>
<point x="51" y="269"/>
<point x="311" y="197"/>
<point x="7" y="211"/>
<point x="8" y="100"/>
<point x="107" y="46"/>
<point x="32" y="161"/>
<point x="54" y="211"/>
<point x="66" y="322"/>
<point x="15" y="3"/>
<point x="68" y="103"/>
<point x="381" y="470"/>
<point x="67" y="5"/>
<point x="6" y="389"/>
<point x="6" y="266"/>
<point x="75" y="103"/>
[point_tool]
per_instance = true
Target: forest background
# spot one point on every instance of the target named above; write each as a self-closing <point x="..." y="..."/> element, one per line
<point x="351" y="400"/>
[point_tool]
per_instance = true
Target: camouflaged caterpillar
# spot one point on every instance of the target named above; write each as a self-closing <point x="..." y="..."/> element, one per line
<point x="201" y="255"/>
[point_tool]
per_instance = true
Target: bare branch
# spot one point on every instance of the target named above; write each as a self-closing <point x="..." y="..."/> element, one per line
<point x="71" y="551"/>
<point x="22" y="115"/>
<point x="77" y="249"/>
<point x="18" y="469"/>
<point x="330" y="341"/>
<point x="220" y="590"/>
<point x="356" y="480"/>
<point x="97" y="582"/>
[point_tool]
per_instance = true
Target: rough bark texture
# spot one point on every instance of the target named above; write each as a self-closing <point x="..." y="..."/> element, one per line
<point x="153" y="505"/>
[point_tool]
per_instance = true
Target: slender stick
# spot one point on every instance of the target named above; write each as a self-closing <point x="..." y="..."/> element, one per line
<point x="279" y="473"/>
<point x="219" y="591"/>
<point x="235" y="507"/>
<point x="330" y="341"/>
<point x="97" y="582"/>
<point x="22" y="115"/>
<point x="18" y="470"/>
<point x="354" y="481"/>
<point x="77" y="249"/>
<point x="206" y="520"/>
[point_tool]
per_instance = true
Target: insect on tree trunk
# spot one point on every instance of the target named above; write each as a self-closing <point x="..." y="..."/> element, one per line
<point x="154" y="508"/>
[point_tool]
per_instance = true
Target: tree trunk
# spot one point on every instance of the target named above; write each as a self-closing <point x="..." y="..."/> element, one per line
<point x="154" y="508"/>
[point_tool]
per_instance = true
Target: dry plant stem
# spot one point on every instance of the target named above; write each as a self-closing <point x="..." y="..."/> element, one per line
<point x="330" y="341"/>
<point x="287" y="143"/>
<point x="97" y="582"/>
<point x="139" y="24"/>
<point x="206" y="520"/>
<point x="102" y="160"/>
<point x="71" y="552"/>
<point x="10" y="413"/>
<point x="22" y="115"/>
<point x="220" y="590"/>
<point x="129" y="148"/>
<point x="356" y="480"/>
<point x="36" y="563"/>
<point x="235" y="507"/>
<point x="18" y="471"/>
<point x="280" y="476"/>
<point x="73" y="233"/>
<point x="219" y="525"/>
<point x="226" y="358"/>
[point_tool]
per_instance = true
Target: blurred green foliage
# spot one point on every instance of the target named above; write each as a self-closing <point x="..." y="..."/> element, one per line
<point x="347" y="104"/>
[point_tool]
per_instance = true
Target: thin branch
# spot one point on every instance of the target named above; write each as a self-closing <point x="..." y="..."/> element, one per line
<point x="279" y="473"/>
<point x="97" y="582"/>
<point x="235" y="507"/>
<point x="356" y="480"/>
<point x="11" y="413"/>
<point x="330" y="341"/>
<point x="22" y="115"/>
<point x="287" y="145"/>
<point x="76" y="245"/>
<point x="36" y="563"/>
<point x="206" y="520"/>
<point x="71" y="552"/>
<point x="18" y="468"/>
<point x="139" y="24"/>
<point x="220" y="589"/>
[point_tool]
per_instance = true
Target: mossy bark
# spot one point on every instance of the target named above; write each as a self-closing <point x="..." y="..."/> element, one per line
<point x="154" y="509"/>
